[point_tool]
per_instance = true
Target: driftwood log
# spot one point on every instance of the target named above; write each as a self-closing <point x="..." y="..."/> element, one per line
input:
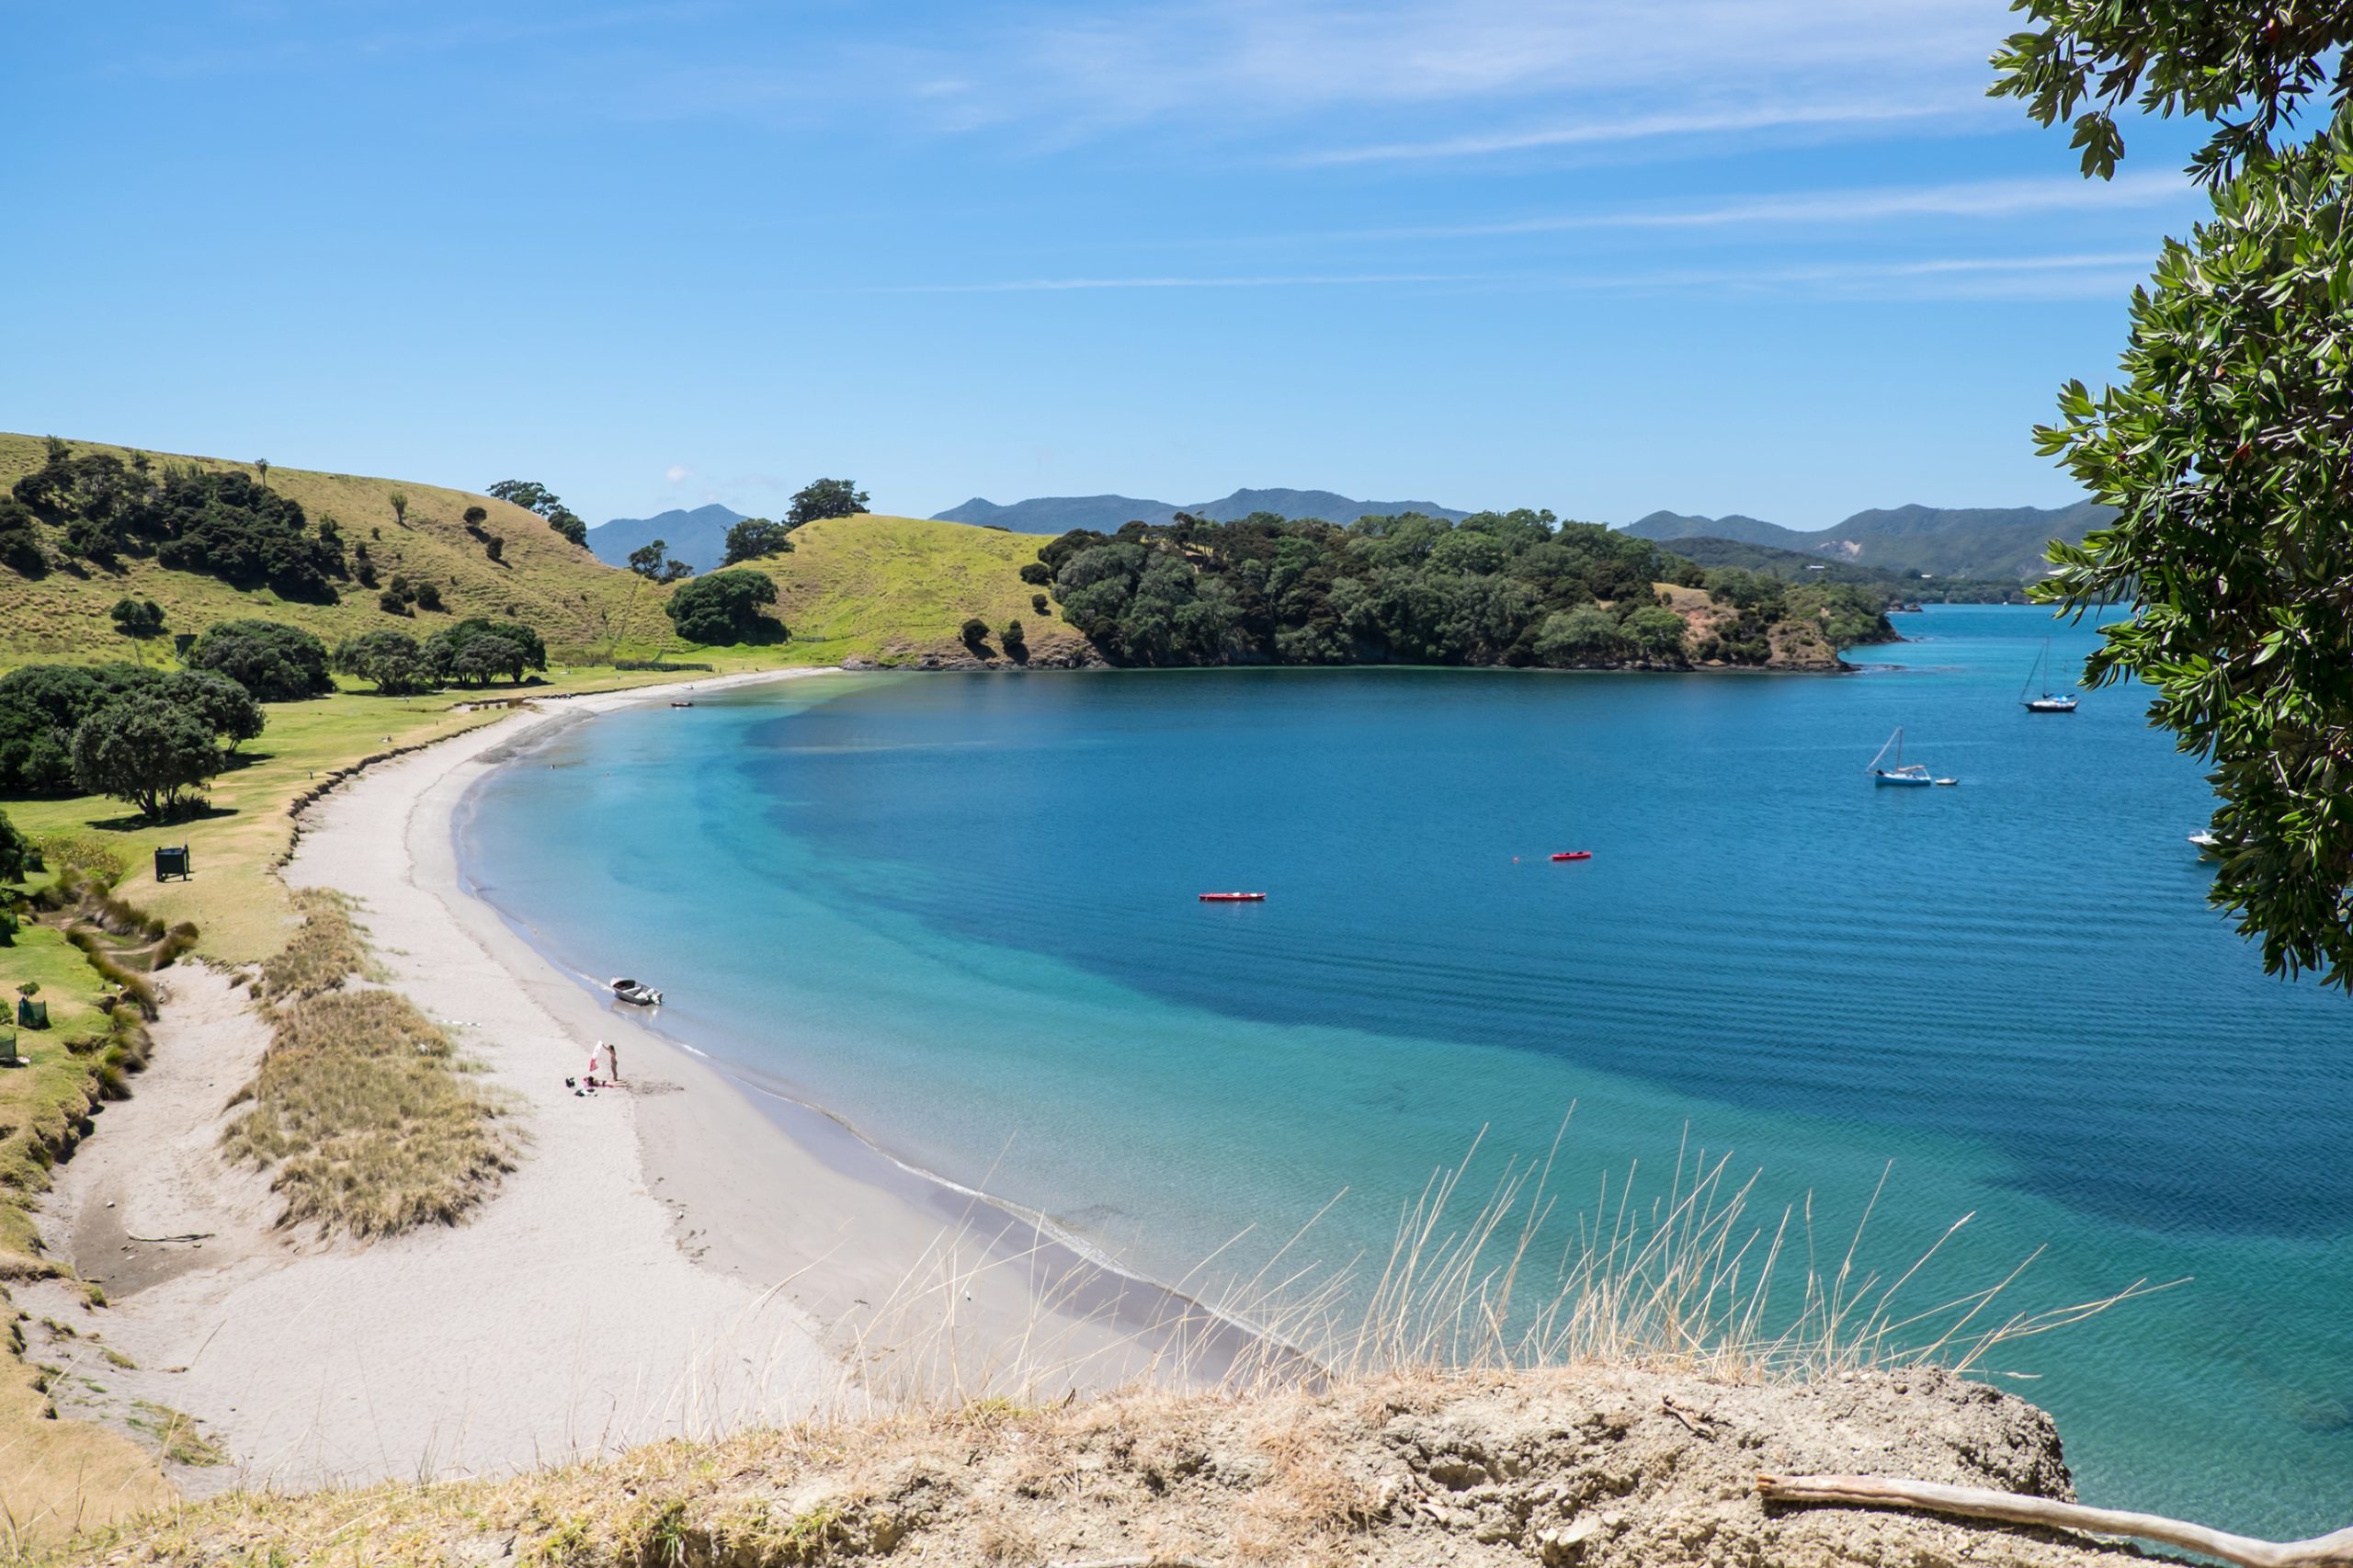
<point x="2331" y="1551"/>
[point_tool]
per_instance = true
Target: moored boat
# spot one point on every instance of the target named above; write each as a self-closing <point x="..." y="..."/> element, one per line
<point x="2050" y="701"/>
<point x="1233" y="898"/>
<point x="1903" y="773"/>
<point x="1574" y="855"/>
<point x="635" y="992"/>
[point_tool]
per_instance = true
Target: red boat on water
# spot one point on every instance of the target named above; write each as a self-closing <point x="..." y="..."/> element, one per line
<point x="1233" y="898"/>
<point x="1574" y="855"/>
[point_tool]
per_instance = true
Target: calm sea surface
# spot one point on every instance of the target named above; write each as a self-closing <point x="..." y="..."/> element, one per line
<point x="958" y="910"/>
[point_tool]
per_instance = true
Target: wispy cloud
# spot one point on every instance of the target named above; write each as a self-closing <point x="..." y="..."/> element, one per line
<point x="1274" y="280"/>
<point x="1633" y="128"/>
<point x="2065" y="275"/>
<point x="1865" y="204"/>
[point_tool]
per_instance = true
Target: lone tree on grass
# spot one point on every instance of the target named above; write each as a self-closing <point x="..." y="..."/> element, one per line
<point x="149" y="751"/>
<point x="2224" y="451"/>
<point x="724" y="608"/>
<point x="399" y="498"/>
<point x="390" y="661"/>
<point x="975" y="632"/>
<point x="754" y="537"/>
<point x="827" y="498"/>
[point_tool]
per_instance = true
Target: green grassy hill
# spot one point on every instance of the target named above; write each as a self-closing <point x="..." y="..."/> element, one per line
<point x="576" y="602"/>
<point x="890" y="590"/>
<point x="894" y="590"/>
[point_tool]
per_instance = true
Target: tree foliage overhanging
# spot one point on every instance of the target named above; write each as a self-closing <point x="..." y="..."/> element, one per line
<point x="2224" y="448"/>
<point x="1497" y="588"/>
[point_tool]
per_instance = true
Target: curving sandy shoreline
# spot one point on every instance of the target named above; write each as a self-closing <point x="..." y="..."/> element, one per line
<point x="674" y="1258"/>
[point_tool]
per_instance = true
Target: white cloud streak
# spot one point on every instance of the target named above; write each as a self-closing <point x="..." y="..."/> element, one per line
<point x="2068" y="275"/>
<point x="1867" y="204"/>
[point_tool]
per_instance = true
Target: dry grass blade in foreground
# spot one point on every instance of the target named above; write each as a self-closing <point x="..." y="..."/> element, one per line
<point x="1689" y="1281"/>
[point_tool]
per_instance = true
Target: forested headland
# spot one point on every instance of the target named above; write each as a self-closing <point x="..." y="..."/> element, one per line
<point x="1513" y="588"/>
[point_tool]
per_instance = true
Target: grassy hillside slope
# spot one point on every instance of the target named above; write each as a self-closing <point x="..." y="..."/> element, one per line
<point x="890" y="590"/>
<point x="578" y="604"/>
<point x="894" y="590"/>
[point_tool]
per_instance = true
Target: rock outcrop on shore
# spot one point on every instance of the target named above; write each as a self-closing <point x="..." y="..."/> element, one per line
<point x="1593" y="1465"/>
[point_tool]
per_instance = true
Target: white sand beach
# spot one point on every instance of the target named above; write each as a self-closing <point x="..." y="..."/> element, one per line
<point x="671" y="1258"/>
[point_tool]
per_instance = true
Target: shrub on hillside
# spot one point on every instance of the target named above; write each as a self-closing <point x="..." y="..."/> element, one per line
<point x="20" y="541"/>
<point x="725" y="607"/>
<point x="137" y="618"/>
<point x="974" y="631"/>
<point x="275" y="662"/>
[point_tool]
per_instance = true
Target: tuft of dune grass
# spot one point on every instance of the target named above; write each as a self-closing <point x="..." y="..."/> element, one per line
<point x="326" y="949"/>
<point x="366" y="1121"/>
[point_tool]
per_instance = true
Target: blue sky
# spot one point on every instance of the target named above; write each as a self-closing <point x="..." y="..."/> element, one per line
<point x="1706" y="255"/>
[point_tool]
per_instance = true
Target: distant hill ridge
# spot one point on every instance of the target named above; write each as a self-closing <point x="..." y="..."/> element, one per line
<point x="1060" y="514"/>
<point x="698" y="538"/>
<point x="1942" y="542"/>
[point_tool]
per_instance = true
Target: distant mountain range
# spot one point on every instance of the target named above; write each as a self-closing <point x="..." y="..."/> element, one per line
<point x="698" y="538"/>
<point x="1943" y="542"/>
<point x="1060" y="514"/>
<point x="1995" y="542"/>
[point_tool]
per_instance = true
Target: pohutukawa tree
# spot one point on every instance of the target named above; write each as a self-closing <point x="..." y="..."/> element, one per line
<point x="2227" y="446"/>
<point x="827" y="498"/>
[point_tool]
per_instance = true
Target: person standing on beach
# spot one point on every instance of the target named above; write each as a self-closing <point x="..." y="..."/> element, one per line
<point x="612" y="1061"/>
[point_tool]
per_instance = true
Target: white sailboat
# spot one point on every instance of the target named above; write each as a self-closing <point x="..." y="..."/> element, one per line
<point x="2050" y="701"/>
<point x="1903" y="773"/>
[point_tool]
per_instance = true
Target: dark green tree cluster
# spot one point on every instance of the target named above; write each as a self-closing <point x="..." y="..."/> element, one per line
<point x="276" y="661"/>
<point x="20" y="548"/>
<point x="825" y="498"/>
<point x="225" y="525"/>
<point x="538" y="498"/>
<point x="406" y="596"/>
<point x="725" y="607"/>
<point x="139" y="735"/>
<point x="755" y="538"/>
<point x="472" y="652"/>
<point x="2223" y="447"/>
<point x="1497" y="588"/>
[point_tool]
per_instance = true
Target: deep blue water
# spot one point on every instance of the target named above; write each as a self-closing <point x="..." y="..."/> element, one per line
<point x="960" y="911"/>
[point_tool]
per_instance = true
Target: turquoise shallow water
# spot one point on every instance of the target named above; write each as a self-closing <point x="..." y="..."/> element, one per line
<point x="959" y="911"/>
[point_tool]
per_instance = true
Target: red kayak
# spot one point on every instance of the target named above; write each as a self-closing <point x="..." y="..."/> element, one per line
<point x="1574" y="855"/>
<point x="1233" y="898"/>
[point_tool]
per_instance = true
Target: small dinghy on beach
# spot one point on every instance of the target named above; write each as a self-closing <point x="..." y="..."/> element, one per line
<point x="636" y="993"/>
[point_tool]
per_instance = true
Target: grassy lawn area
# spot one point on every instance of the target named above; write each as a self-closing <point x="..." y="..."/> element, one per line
<point x="54" y="1471"/>
<point x="51" y="1470"/>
